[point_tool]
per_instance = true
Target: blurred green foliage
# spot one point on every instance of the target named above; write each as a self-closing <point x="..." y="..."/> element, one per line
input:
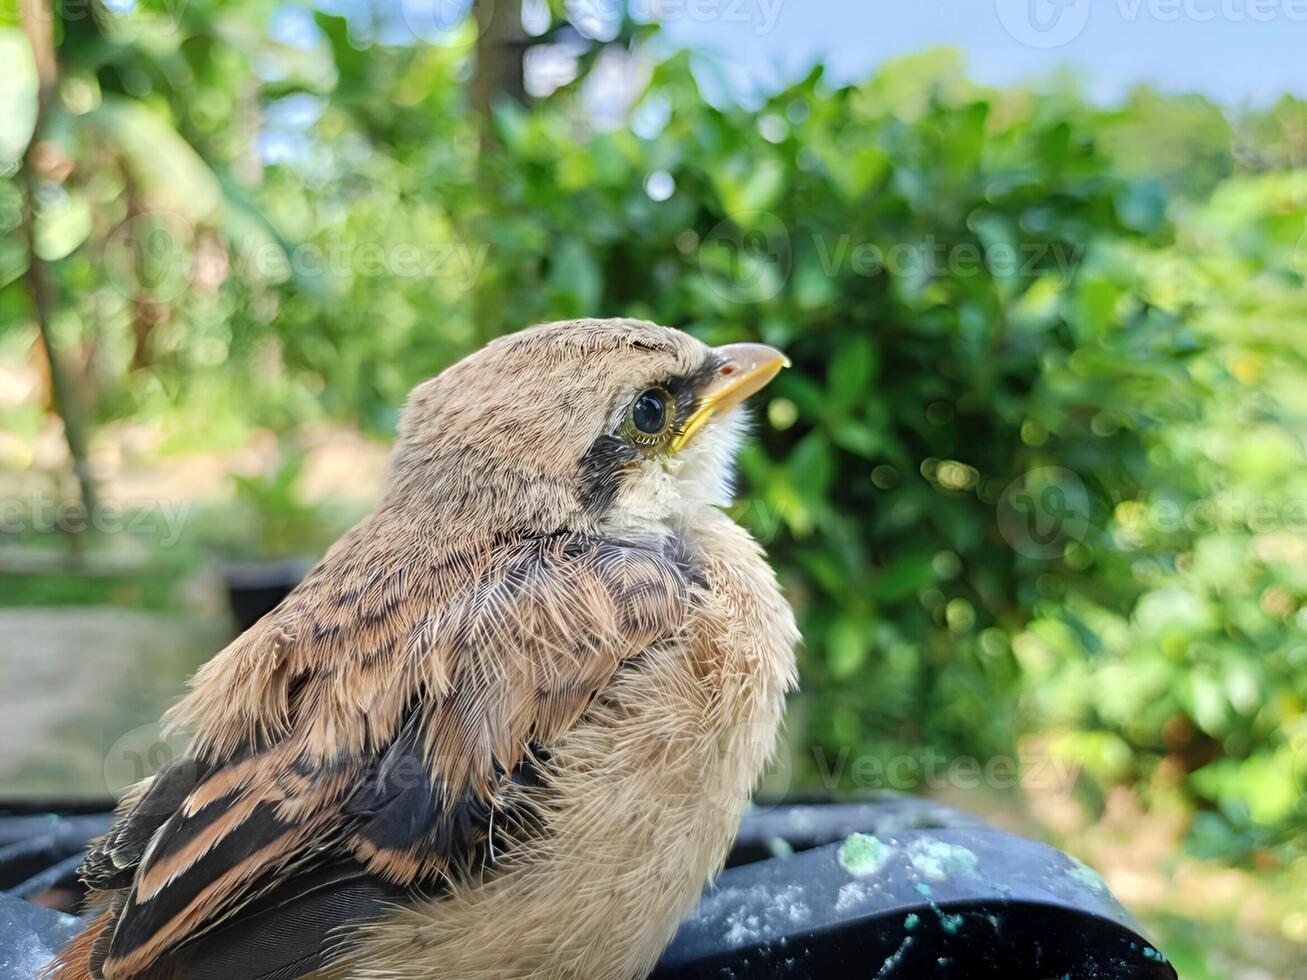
<point x="1038" y="469"/>
<point x="270" y="519"/>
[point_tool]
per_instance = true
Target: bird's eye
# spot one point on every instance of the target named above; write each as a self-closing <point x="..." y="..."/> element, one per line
<point x="649" y="414"/>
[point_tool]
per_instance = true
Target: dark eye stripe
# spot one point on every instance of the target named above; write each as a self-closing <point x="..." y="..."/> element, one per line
<point x="602" y="465"/>
<point x="598" y="470"/>
<point x="685" y="388"/>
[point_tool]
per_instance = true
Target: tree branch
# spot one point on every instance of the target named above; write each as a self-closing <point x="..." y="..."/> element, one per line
<point x="38" y="25"/>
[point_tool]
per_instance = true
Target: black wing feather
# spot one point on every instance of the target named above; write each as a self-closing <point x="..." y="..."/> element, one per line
<point x="112" y="862"/>
<point x="291" y="930"/>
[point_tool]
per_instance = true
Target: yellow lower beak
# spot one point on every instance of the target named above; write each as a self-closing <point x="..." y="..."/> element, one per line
<point x="745" y="370"/>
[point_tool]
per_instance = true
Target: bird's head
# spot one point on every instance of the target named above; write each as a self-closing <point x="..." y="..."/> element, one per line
<point x="577" y="425"/>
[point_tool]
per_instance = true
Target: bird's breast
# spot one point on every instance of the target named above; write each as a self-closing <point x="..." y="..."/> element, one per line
<point x="643" y="798"/>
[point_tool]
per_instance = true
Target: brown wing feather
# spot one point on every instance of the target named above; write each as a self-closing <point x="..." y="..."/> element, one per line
<point x="379" y="715"/>
<point x="541" y="634"/>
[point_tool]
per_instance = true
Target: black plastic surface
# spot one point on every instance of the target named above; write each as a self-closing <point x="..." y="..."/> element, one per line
<point x="895" y="887"/>
<point x="254" y="589"/>
<point x="29" y="936"/>
<point x="959" y="902"/>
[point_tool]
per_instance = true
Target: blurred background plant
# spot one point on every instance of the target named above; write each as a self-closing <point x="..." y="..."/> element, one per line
<point x="1036" y="485"/>
<point x="268" y="518"/>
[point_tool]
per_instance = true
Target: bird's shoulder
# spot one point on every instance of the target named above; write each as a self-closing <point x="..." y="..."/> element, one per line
<point x="458" y="624"/>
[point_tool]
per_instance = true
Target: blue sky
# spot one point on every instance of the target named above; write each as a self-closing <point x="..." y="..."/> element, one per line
<point x="1236" y="51"/>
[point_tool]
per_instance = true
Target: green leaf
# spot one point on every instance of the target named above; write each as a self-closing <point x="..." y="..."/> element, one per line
<point x="856" y="437"/>
<point x="167" y="170"/>
<point x="852" y="371"/>
<point x="812" y="468"/>
<point x="903" y="577"/>
<point x="746" y="185"/>
<point x="62" y="227"/>
<point x="18" y="87"/>
<point x="847" y="645"/>
<point x="1095" y="306"/>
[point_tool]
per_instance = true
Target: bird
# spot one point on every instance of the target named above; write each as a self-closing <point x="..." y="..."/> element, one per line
<point x="508" y="725"/>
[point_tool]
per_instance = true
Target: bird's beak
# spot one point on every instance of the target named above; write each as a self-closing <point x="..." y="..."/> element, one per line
<point x="745" y="369"/>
